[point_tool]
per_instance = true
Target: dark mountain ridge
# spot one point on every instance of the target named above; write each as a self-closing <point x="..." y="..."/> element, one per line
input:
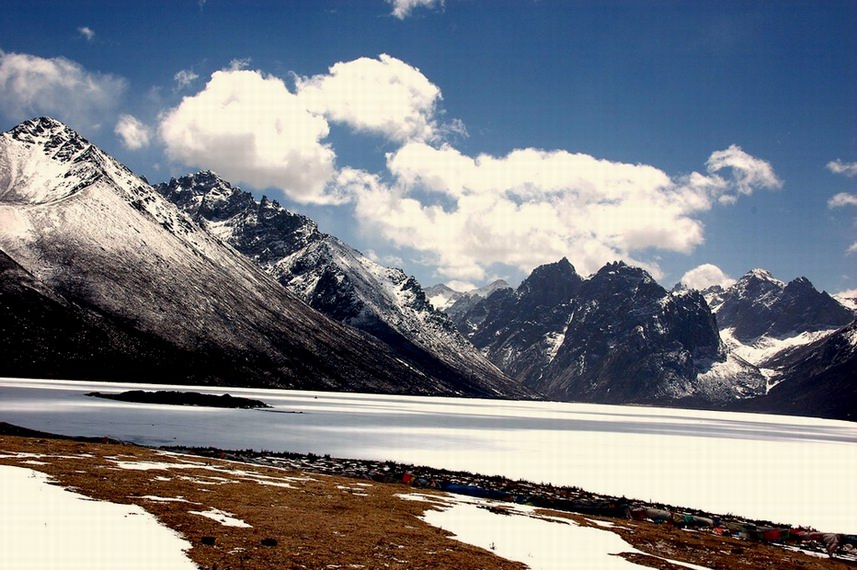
<point x="616" y="337"/>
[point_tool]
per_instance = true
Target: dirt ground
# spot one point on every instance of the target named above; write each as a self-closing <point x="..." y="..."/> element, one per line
<point x="302" y="520"/>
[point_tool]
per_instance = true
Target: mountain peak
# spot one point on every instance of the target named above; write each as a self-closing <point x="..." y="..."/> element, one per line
<point x="762" y="275"/>
<point x="59" y="141"/>
<point x="561" y="268"/>
<point x="42" y="127"/>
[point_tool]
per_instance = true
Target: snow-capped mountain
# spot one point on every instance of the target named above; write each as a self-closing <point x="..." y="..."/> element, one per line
<point x="104" y="278"/>
<point x="338" y="280"/>
<point x="759" y="316"/>
<point x="616" y="337"/>
<point x="454" y="303"/>
<point x="441" y="296"/>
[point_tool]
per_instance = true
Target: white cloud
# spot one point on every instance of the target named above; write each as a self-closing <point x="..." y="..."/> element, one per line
<point x="705" y="276"/>
<point x="839" y="167"/>
<point x="842" y="199"/>
<point x="385" y="260"/>
<point x="533" y="206"/>
<point x="133" y="134"/>
<point x="403" y="8"/>
<point x="87" y="33"/>
<point x="384" y="96"/>
<point x="460" y="286"/>
<point x="749" y="172"/>
<point x="254" y="131"/>
<point x="239" y="63"/>
<point x="32" y="85"/>
<point x="184" y="78"/>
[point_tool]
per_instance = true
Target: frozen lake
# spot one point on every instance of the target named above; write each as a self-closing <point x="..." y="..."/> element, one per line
<point x="786" y="469"/>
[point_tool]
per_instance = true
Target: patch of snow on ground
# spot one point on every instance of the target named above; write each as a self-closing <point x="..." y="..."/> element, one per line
<point x="45" y="526"/>
<point x="166" y="499"/>
<point x="539" y="542"/>
<point x="224" y="518"/>
<point x="154" y="465"/>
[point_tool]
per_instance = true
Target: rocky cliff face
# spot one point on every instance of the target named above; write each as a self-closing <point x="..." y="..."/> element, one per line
<point x="339" y="281"/>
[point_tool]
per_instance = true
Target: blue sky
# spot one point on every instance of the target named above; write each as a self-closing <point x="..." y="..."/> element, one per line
<point x="466" y="140"/>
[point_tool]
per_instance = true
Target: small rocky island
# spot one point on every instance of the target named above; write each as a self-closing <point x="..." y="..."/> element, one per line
<point x="175" y="398"/>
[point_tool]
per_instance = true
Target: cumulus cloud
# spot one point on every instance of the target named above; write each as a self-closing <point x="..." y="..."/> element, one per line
<point x="133" y="134"/>
<point x="254" y="131"/>
<point x="839" y="167"/>
<point x="534" y="206"/>
<point x="184" y="78"/>
<point x="383" y="96"/>
<point x="403" y="8"/>
<point x="32" y="85"/>
<point x="705" y="276"/>
<point x="87" y="33"/>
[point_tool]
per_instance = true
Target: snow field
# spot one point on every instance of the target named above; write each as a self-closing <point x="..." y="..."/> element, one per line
<point x="44" y="526"/>
<point x="788" y="470"/>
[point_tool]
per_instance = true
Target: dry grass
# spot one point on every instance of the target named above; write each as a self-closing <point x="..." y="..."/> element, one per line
<point x="303" y="520"/>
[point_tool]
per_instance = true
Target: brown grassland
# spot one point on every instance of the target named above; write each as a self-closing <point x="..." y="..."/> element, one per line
<point x="301" y="520"/>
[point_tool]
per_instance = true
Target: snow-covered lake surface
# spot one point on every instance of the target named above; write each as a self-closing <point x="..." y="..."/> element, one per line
<point x="785" y="469"/>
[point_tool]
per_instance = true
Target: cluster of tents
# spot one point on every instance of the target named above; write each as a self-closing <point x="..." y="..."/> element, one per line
<point x="831" y="542"/>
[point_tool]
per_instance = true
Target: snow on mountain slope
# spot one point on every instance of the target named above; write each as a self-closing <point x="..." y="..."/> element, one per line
<point x="815" y="379"/>
<point x="469" y="299"/>
<point x="105" y="245"/>
<point x="849" y="302"/>
<point x="337" y="280"/>
<point x="759" y="316"/>
<point x="442" y="296"/>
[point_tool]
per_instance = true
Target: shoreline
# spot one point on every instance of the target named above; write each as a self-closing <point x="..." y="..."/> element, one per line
<point x="566" y="499"/>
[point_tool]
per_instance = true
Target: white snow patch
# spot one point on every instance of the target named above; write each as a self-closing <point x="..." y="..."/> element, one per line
<point x="167" y="499"/>
<point x="537" y="541"/>
<point x="847" y="300"/>
<point x="45" y="526"/>
<point x="224" y="518"/>
<point x="766" y="347"/>
<point x="553" y="341"/>
<point x="155" y="465"/>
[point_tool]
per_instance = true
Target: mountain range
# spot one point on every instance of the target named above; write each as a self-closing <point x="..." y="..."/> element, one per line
<point x="619" y="337"/>
<point x="108" y="280"/>
<point x="196" y="281"/>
